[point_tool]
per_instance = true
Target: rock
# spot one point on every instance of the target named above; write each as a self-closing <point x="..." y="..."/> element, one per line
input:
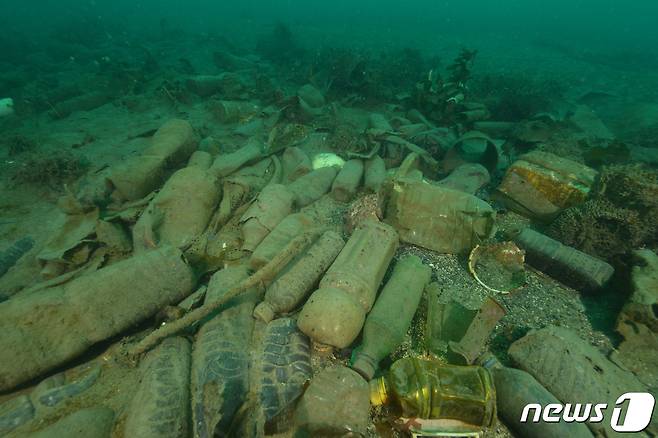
<point x="160" y="408"/>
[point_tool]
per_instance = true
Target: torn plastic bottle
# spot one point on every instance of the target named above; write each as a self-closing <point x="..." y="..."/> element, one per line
<point x="434" y="398"/>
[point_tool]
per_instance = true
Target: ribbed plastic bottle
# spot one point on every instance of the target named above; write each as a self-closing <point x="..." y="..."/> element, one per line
<point x="288" y="291"/>
<point x="515" y="389"/>
<point x="568" y="265"/>
<point x="389" y="320"/>
<point x="463" y="398"/>
<point x="334" y="314"/>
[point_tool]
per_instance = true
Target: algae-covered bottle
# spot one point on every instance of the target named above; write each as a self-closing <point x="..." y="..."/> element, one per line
<point x="392" y="313"/>
<point x="568" y="265"/>
<point x="451" y="398"/>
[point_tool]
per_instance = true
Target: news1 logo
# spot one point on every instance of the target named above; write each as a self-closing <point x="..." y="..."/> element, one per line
<point x="638" y="412"/>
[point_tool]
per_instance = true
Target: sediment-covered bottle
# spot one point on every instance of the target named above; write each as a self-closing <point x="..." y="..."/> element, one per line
<point x="468" y="178"/>
<point x="313" y="185"/>
<point x="334" y="314"/>
<point x="348" y="180"/>
<point x="160" y="407"/>
<point x="271" y="206"/>
<point x="288" y="291"/>
<point x="226" y="164"/>
<point x="295" y="163"/>
<point x="289" y="228"/>
<point x="334" y="404"/>
<point x="516" y="389"/>
<point x="463" y="398"/>
<point x="375" y="173"/>
<point x="221" y="358"/>
<point x="568" y="265"/>
<point x="392" y="313"/>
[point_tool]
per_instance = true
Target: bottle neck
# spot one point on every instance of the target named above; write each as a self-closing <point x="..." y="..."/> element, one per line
<point x="379" y="391"/>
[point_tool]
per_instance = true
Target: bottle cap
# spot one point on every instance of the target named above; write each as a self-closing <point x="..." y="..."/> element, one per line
<point x="378" y="392"/>
<point x="264" y="312"/>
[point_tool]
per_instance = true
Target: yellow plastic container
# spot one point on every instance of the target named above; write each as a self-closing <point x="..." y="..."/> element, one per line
<point x="435" y="399"/>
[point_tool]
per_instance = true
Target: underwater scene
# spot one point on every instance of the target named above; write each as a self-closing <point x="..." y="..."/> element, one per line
<point x="328" y="218"/>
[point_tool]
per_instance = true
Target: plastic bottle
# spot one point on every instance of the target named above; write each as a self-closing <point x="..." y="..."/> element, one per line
<point x="375" y="173"/>
<point x="568" y="265"/>
<point x="515" y="389"/>
<point x="334" y="314"/>
<point x="391" y="316"/>
<point x="271" y="206"/>
<point x="334" y="404"/>
<point x="462" y="398"/>
<point x="289" y="228"/>
<point x="291" y="288"/>
<point x="312" y="186"/>
<point x="348" y="180"/>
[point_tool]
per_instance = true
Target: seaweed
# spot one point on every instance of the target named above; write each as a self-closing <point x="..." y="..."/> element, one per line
<point x="19" y="144"/>
<point x="514" y="97"/>
<point x="460" y="69"/>
<point x="50" y="169"/>
<point x="619" y="218"/>
<point x="279" y="46"/>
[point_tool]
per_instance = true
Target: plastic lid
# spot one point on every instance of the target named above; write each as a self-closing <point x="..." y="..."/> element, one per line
<point x="378" y="392"/>
<point x="264" y="312"/>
